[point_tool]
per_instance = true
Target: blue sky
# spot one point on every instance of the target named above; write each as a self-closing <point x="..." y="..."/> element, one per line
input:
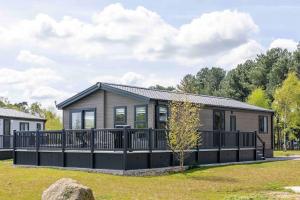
<point x="50" y="50"/>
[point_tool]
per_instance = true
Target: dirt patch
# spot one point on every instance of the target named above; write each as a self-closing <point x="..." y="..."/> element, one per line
<point x="283" y="195"/>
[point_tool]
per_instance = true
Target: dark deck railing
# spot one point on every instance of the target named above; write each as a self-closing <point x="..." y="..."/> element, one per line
<point x="6" y="141"/>
<point x="114" y="139"/>
<point x="117" y="148"/>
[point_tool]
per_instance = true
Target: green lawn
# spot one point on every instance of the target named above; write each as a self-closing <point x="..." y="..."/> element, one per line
<point x="251" y="181"/>
<point x="286" y="153"/>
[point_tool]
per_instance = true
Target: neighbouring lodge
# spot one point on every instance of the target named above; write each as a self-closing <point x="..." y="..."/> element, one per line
<point x="114" y="126"/>
<point x="11" y="120"/>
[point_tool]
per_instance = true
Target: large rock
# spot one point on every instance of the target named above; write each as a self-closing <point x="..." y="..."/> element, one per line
<point x="67" y="189"/>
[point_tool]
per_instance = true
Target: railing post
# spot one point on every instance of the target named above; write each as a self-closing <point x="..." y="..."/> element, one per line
<point x="264" y="146"/>
<point x="125" y="146"/>
<point x="37" y="145"/>
<point x="14" y="146"/>
<point x="255" y="145"/>
<point x="198" y="143"/>
<point x="238" y="145"/>
<point x="220" y="145"/>
<point x="92" y="137"/>
<point x="63" y="146"/>
<point x="150" y="147"/>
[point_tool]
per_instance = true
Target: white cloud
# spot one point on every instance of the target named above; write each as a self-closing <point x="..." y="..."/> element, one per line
<point x="31" y="85"/>
<point x="117" y="32"/>
<point x="288" y="44"/>
<point x="132" y="78"/>
<point x="240" y="54"/>
<point x="30" y="58"/>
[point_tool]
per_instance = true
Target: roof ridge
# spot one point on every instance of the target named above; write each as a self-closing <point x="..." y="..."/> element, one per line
<point x="168" y="91"/>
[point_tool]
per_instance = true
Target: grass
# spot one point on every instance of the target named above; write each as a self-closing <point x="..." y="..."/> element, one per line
<point x="236" y="182"/>
<point x="286" y="153"/>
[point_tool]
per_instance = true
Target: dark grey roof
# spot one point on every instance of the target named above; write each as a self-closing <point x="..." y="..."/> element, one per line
<point x="11" y="113"/>
<point x="147" y="94"/>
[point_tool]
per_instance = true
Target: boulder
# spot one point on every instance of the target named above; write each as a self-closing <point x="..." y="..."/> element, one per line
<point x="67" y="189"/>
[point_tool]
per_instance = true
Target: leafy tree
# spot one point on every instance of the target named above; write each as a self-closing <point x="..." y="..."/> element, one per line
<point x="258" y="97"/>
<point x="53" y="120"/>
<point x="36" y="109"/>
<point x="208" y="80"/>
<point x="183" y="128"/>
<point x="188" y="84"/>
<point x="287" y="104"/>
<point x="296" y="61"/>
<point x="159" y="87"/>
<point x="237" y="84"/>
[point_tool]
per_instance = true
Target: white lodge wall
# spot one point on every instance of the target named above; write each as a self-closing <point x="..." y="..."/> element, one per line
<point x="15" y="125"/>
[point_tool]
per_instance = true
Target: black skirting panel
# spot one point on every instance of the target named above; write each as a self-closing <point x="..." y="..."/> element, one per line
<point x="208" y="157"/>
<point x="269" y="153"/>
<point x="162" y="159"/>
<point x="138" y="160"/>
<point x="228" y="156"/>
<point x="51" y="159"/>
<point x="247" y="155"/>
<point x="78" y="160"/>
<point x="25" y="158"/>
<point x="108" y="161"/>
<point x="6" y="155"/>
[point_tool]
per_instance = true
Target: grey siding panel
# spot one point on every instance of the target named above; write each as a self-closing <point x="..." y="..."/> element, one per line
<point x="206" y="119"/>
<point x="94" y="100"/>
<point x="113" y="100"/>
<point x="245" y="121"/>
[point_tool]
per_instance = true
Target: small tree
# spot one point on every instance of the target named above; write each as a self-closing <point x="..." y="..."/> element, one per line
<point x="258" y="97"/>
<point x="184" y="122"/>
<point x="287" y="104"/>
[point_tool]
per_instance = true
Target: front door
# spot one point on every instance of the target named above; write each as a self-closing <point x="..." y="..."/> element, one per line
<point x="6" y="133"/>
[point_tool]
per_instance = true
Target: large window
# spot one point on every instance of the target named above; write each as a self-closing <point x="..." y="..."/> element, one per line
<point x="77" y="120"/>
<point x="162" y="116"/>
<point x="83" y="119"/>
<point x="232" y="123"/>
<point x="141" y="113"/>
<point x="89" y="119"/>
<point x="24" y="126"/>
<point x="219" y="120"/>
<point x="263" y="124"/>
<point x="120" y="115"/>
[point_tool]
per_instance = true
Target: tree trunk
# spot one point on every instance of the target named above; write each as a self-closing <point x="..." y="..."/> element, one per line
<point x="181" y="160"/>
<point x="284" y="128"/>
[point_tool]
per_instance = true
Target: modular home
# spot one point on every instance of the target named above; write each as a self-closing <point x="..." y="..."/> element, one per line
<point x="11" y="120"/>
<point x="107" y="105"/>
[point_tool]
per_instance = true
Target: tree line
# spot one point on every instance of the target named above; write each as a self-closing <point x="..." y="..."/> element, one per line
<point x="271" y="80"/>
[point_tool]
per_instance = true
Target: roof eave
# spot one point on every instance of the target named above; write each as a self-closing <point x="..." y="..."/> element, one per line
<point x="78" y="96"/>
<point x="96" y="87"/>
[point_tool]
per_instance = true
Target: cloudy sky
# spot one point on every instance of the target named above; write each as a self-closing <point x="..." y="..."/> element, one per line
<point x="50" y="50"/>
